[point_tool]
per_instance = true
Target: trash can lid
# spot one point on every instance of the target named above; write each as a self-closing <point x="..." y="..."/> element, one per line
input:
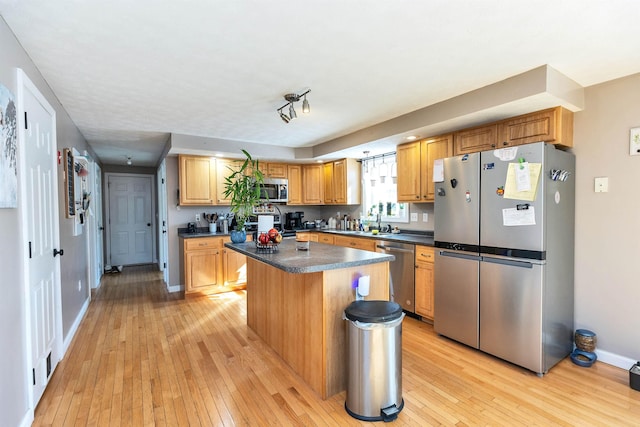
<point x="372" y="311"/>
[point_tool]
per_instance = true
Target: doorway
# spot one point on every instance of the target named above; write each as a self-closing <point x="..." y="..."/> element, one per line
<point x="130" y="219"/>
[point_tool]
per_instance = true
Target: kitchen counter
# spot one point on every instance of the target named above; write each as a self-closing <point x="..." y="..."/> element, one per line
<point x="296" y="299"/>
<point x="319" y="257"/>
<point x="419" y="238"/>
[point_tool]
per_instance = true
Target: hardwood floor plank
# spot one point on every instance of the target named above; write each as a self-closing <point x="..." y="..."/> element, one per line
<point x="143" y="357"/>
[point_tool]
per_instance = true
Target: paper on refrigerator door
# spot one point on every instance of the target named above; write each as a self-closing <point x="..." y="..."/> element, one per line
<point x="511" y="186"/>
<point x="265" y="223"/>
<point x="438" y="170"/>
<point x="513" y="216"/>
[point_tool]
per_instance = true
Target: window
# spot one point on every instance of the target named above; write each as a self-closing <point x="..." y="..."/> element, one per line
<point x="379" y="190"/>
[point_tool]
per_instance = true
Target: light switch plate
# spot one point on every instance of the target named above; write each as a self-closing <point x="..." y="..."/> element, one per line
<point x="425" y="217"/>
<point x="414" y="216"/>
<point x="601" y="184"/>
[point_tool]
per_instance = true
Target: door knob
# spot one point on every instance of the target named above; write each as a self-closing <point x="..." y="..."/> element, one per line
<point x="148" y="224"/>
<point x="58" y="252"/>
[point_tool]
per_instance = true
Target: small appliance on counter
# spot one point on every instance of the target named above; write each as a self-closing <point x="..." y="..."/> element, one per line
<point x="293" y="221"/>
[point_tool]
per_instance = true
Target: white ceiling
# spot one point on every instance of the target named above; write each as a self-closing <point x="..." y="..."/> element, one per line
<point x="130" y="73"/>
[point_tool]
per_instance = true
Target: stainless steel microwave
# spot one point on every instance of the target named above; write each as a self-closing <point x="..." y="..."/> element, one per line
<point x="275" y="190"/>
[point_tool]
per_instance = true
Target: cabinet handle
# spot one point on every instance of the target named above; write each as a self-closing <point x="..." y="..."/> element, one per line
<point x="505" y="143"/>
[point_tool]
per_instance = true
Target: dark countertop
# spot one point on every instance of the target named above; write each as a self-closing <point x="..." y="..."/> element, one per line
<point x="319" y="257"/>
<point x="200" y="232"/>
<point x="416" y="237"/>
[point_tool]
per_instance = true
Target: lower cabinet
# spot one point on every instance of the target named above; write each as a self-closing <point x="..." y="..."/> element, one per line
<point x="209" y="268"/>
<point x="355" y="242"/>
<point x="424" y="281"/>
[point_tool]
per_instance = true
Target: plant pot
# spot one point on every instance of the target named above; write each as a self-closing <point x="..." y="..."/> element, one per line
<point x="238" y="236"/>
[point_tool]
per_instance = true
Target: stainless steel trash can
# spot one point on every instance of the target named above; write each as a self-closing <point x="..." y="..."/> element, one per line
<point x="374" y="367"/>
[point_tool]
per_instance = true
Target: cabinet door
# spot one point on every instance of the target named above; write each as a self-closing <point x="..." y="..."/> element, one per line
<point x="312" y="185"/>
<point x="294" y="172"/>
<point x="431" y="150"/>
<point x="197" y="184"/>
<point x="224" y="168"/>
<point x="424" y="289"/>
<point x="234" y="268"/>
<point x="476" y="139"/>
<point x="329" y="188"/>
<point x="277" y="170"/>
<point x="409" y="173"/>
<point x="202" y="270"/>
<point x="340" y="182"/>
<point x="547" y="125"/>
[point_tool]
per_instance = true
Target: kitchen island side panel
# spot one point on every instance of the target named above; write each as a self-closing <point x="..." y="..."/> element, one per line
<point x="300" y="317"/>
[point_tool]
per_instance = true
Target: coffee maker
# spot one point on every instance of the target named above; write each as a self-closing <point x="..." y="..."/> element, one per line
<point x="293" y="220"/>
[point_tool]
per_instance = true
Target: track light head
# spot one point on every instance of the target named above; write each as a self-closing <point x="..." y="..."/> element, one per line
<point x="305" y="105"/>
<point x="292" y="112"/>
<point x="284" y="117"/>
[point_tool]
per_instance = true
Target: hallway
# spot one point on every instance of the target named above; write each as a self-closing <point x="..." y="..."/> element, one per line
<point x="146" y="357"/>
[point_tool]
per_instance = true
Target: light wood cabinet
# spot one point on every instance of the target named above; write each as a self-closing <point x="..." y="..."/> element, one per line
<point x="209" y="268"/>
<point x="424" y="281"/>
<point x="355" y="242"/>
<point x="273" y="170"/>
<point x="312" y="184"/>
<point x="294" y="173"/>
<point x="415" y="167"/>
<point x="476" y="139"/>
<point x="554" y="125"/>
<point x="197" y="180"/>
<point x="325" y="238"/>
<point x="224" y="168"/>
<point x="342" y="184"/>
<point x="305" y="235"/>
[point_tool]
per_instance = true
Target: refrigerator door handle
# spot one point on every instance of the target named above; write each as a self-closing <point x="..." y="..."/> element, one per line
<point x="509" y="262"/>
<point x="460" y="255"/>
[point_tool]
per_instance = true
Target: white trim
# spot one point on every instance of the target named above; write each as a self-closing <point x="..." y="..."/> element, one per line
<point x="28" y="419"/>
<point x="24" y="83"/>
<point x="174" y="288"/>
<point x="76" y="325"/>
<point x="615" y="359"/>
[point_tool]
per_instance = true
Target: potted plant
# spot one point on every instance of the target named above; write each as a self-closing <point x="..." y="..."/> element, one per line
<point x="242" y="186"/>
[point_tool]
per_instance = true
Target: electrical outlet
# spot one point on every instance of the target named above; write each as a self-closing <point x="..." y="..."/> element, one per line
<point x="197" y="217"/>
<point x="425" y="217"/>
<point x="414" y="216"/>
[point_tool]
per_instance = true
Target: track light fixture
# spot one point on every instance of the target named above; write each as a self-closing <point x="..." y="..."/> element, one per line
<point x="291" y="98"/>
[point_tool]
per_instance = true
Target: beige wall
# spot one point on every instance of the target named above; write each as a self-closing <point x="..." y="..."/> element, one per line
<point x="607" y="290"/>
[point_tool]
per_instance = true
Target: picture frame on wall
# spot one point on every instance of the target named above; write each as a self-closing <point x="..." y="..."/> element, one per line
<point x="8" y="150"/>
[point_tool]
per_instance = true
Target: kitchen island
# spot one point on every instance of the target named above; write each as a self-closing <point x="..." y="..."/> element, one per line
<point x="295" y="302"/>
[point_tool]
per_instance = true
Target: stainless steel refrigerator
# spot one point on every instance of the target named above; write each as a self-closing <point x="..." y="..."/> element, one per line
<point x="504" y="236"/>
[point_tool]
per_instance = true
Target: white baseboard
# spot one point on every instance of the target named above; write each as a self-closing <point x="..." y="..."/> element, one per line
<point x="75" y="326"/>
<point x="28" y="418"/>
<point x="615" y="359"/>
<point x="174" y="288"/>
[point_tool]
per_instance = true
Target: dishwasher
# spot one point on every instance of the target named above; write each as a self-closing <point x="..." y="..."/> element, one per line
<point x="401" y="272"/>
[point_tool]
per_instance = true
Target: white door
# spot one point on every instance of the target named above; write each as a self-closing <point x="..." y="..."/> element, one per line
<point x="163" y="238"/>
<point x="96" y="200"/>
<point x="130" y="219"/>
<point x="40" y="221"/>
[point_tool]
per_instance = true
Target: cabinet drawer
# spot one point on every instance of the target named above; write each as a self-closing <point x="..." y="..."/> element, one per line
<point x="199" y="243"/>
<point x="351" y="242"/>
<point x="325" y="238"/>
<point x="424" y="253"/>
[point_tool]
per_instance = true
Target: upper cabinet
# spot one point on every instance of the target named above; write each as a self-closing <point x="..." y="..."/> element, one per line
<point x="554" y="125"/>
<point x="312" y="184"/>
<point x="197" y="180"/>
<point x="415" y="167"/>
<point x="273" y="170"/>
<point x="294" y="173"/>
<point x="224" y="168"/>
<point x="342" y="182"/>
<point x="476" y="139"/>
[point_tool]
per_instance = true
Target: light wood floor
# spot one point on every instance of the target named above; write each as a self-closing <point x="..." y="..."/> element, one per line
<point x="145" y="357"/>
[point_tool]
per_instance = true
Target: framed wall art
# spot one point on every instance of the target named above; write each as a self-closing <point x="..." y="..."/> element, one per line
<point x="8" y="150"/>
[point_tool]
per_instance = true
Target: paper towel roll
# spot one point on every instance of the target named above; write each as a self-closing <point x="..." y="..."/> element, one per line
<point x="265" y="223"/>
